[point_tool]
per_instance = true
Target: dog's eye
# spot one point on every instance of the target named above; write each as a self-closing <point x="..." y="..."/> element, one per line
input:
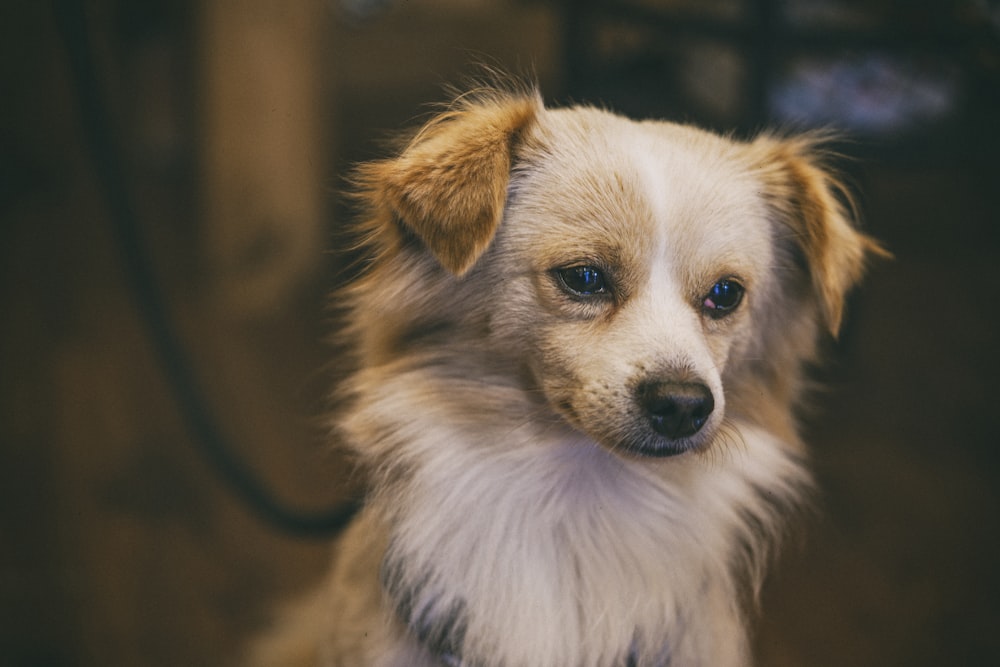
<point x="583" y="280"/>
<point x="723" y="298"/>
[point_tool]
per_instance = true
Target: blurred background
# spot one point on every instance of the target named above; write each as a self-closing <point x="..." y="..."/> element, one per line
<point x="218" y="192"/>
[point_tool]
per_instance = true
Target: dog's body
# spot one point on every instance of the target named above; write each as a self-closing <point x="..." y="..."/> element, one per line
<point x="581" y="343"/>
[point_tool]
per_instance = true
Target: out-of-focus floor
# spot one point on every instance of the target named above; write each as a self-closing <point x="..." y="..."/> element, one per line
<point x="118" y="545"/>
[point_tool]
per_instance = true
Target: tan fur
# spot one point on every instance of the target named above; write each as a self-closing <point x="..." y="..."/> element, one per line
<point x="449" y="184"/>
<point x="527" y="508"/>
<point x="834" y="250"/>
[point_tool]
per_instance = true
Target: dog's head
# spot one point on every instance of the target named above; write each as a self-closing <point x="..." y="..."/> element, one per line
<point x="646" y="278"/>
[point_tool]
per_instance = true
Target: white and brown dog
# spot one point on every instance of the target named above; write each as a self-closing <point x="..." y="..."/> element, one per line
<point x="581" y="342"/>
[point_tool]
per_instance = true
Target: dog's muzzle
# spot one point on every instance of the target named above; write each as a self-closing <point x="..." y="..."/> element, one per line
<point x="676" y="410"/>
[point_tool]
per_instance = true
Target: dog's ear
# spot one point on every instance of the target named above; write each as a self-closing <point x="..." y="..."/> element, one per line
<point x="818" y="212"/>
<point x="450" y="183"/>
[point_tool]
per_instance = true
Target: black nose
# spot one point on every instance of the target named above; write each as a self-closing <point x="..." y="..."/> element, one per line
<point x="676" y="409"/>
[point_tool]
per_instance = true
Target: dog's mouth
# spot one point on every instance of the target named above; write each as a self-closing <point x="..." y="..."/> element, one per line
<point x="637" y="438"/>
<point x="659" y="448"/>
<point x="643" y="442"/>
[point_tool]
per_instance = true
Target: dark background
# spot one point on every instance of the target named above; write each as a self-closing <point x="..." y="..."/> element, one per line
<point x="120" y="544"/>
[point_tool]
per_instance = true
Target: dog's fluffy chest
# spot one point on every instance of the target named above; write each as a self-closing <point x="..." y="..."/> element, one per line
<point x="547" y="550"/>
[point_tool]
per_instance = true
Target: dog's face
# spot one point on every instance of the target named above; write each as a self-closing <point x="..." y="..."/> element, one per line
<point x="628" y="264"/>
<point x="635" y="272"/>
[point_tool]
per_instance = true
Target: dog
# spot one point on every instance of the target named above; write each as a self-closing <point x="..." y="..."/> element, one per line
<point x="582" y="345"/>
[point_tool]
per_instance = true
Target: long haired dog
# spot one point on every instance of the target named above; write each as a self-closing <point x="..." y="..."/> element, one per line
<point x="582" y="341"/>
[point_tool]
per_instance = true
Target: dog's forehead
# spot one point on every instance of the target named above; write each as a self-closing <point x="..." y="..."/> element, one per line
<point x="700" y="188"/>
<point x="664" y="183"/>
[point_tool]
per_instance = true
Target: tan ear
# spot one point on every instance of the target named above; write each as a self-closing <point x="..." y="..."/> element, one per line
<point x="815" y="206"/>
<point x="449" y="185"/>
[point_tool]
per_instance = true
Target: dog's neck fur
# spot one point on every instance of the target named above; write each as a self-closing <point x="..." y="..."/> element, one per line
<point x="612" y="556"/>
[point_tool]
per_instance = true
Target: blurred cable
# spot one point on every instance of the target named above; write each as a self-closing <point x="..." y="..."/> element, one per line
<point x="151" y="302"/>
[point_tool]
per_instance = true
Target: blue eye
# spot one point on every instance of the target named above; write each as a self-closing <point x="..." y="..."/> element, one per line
<point x="723" y="298"/>
<point x="583" y="280"/>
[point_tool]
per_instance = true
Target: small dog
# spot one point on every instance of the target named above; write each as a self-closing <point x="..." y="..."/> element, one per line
<point x="582" y="342"/>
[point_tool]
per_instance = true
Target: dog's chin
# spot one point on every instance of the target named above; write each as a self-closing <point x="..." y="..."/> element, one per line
<point x="658" y="448"/>
<point x="647" y="444"/>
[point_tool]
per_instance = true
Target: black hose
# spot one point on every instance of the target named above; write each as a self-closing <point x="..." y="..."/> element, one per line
<point x="152" y="305"/>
